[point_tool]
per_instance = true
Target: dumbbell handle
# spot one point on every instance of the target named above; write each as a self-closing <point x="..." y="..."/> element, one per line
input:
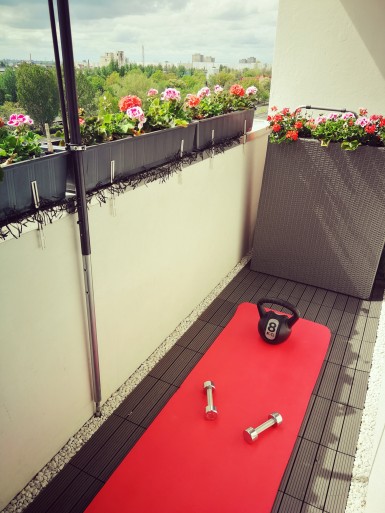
<point x="210" y="411"/>
<point x="265" y="426"/>
<point x="251" y="434"/>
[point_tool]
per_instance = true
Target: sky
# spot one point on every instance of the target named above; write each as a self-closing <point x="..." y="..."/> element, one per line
<point x="169" y="30"/>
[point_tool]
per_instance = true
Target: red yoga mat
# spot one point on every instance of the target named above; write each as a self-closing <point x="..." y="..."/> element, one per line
<point x="184" y="463"/>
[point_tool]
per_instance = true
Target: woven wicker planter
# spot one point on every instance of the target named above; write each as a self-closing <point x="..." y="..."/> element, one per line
<point x="225" y="127"/>
<point x="321" y="216"/>
<point x="50" y="174"/>
<point x="135" y="154"/>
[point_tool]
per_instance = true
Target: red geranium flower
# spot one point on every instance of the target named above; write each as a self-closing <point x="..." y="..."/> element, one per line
<point x="129" y="101"/>
<point x="237" y="90"/>
<point x="192" y="100"/>
<point x="370" y="129"/>
<point x="298" y="125"/>
<point x="276" y="128"/>
<point x="292" y="134"/>
<point x="81" y="121"/>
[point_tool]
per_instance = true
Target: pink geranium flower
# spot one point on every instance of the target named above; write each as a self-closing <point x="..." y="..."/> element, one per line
<point x="362" y="121"/>
<point x="137" y="113"/>
<point x="152" y="92"/>
<point x="218" y="89"/>
<point x="333" y="116"/>
<point x="19" y="119"/>
<point x="170" y="94"/>
<point x="251" y="90"/>
<point x="202" y="93"/>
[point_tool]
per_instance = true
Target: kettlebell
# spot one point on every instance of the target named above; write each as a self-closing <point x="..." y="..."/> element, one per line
<point x="274" y="327"/>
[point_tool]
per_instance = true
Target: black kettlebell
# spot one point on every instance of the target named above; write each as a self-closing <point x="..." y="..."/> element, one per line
<point x="273" y="327"/>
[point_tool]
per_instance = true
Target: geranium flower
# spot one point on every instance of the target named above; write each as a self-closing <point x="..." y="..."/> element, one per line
<point x="333" y="116"/>
<point x="1" y="122"/>
<point x="362" y="121"/>
<point x="137" y="113"/>
<point x="205" y="91"/>
<point x="237" y="90"/>
<point x="192" y="100"/>
<point x="19" y="119"/>
<point x="251" y="90"/>
<point x="218" y="89"/>
<point x="170" y="94"/>
<point x="320" y="119"/>
<point x="81" y="121"/>
<point x="126" y="102"/>
<point x="276" y="128"/>
<point x="370" y="129"/>
<point x="298" y="125"/>
<point x="348" y="115"/>
<point x="292" y="134"/>
<point x="363" y="112"/>
<point x="152" y="92"/>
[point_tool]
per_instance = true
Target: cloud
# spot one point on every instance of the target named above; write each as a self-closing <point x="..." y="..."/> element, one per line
<point x="169" y="30"/>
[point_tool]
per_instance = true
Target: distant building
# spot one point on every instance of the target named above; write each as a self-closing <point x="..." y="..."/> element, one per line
<point x="198" y="57"/>
<point x="249" y="60"/>
<point x="108" y="57"/>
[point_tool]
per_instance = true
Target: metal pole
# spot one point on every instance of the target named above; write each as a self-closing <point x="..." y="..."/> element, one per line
<point x="76" y="153"/>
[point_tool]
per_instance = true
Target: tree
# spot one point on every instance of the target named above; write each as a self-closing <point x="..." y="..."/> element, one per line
<point x="37" y="92"/>
<point x="85" y="92"/>
<point x="8" y="84"/>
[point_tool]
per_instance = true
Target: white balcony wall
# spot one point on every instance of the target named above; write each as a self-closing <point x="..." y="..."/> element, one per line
<point x="330" y="54"/>
<point x="169" y="245"/>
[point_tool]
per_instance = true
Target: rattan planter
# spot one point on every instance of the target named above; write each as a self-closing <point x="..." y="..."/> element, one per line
<point x="135" y="154"/>
<point x="321" y="216"/>
<point x="50" y="174"/>
<point x="225" y="127"/>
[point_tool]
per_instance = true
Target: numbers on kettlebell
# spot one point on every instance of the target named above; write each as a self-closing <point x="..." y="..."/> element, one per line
<point x="271" y="329"/>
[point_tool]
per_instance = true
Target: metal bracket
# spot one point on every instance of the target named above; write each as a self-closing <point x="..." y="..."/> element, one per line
<point x="76" y="147"/>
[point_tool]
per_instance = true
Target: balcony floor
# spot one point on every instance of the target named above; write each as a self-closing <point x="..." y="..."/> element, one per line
<point x="318" y="475"/>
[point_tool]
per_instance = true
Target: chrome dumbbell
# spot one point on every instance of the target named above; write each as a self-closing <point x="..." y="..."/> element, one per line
<point x="251" y="434"/>
<point x="210" y="411"/>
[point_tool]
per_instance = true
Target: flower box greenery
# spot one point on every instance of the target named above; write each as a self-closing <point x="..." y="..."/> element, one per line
<point x="142" y="135"/>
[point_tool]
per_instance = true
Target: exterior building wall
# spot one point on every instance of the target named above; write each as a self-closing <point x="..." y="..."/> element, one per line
<point x="330" y="54"/>
<point x="167" y="247"/>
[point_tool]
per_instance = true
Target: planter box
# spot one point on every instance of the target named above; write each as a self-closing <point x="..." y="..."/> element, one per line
<point x="225" y="127"/>
<point x="49" y="172"/>
<point x="321" y="216"/>
<point x="135" y="154"/>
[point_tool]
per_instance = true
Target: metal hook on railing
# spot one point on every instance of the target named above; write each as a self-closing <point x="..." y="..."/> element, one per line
<point x="308" y="107"/>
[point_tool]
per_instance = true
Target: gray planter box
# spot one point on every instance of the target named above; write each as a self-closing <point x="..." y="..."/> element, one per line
<point x="49" y="172"/>
<point x="135" y="154"/>
<point x="321" y="216"/>
<point x="225" y="127"/>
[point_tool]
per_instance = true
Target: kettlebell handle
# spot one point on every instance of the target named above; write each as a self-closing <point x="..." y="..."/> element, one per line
<point x="294" y="311"/>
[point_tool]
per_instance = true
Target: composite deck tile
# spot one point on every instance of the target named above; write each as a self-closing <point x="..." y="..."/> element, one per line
<point x="329" y="380"/>
<point x="227" y="318"/>
<point x="320" y="377"/>
<point x="319" y="296"/>
<point x="222" y="312"/>
<point x="344" y="385"/>
<point x="329" y="298"/>
<point x="298" y="290"/>
<point x="187" y="368"/>
<point x="352" y="305"/>
<point x="320" y="477"/>
<point x="300" y="474"/>
<point x="363" y="307"/>
<point x="308" y="508"/>
<point x="308" y="412"/>
<point x="371" y="326"/>
<point x="352" y="353"/>
<point x="290" y="465"/>
<point x="168" y="359"/>
<point x="277" y="502"/>
<point x="71" y="496"/>
<point x="323" y="315"/>
<point x="333" y="426"/>
<point x="198" y="339"/>
<point x="109" y="449"/>
<point x="121" y="453"/>
<point x="375" y="309"/>
<point x="358" y="327"/>
<point x="311" y="311"/>
<point x="134" y="398"/>
<point x="186" y="339"/>
<point x="172" y="374"/>
<point x="308" y="293"/>
<point x="334" y="320"/>
<point x="339" y="484"/>
<point x="250" y="291"/>
<point x="211" y="309"/>
<point x="48" y="496"/>
<point x="350" y="431"/>
<point x="277" y="287"/>
<point x="87" y="496"/>
<point x="359" y="389"/>
<point x="158" y="406"/>
<point x="210" y="339"/>
<point x="340" y="302"/>
<point x="337" y="349"/>
<point x="316" y="423"/>
<point x="346" y="324"/>
<point x="97" y="440"/>
<point x="148" y="403"/>
<point x="289" y="505"/>
<point x="364" y="362"/>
